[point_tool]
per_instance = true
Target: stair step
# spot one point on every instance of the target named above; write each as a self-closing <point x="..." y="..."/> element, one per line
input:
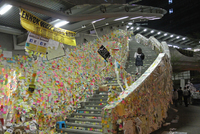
<point x="98" y="106"/>
<point x="96" y="102"/>
<point x="85" y="120"/>
<point x="77" y="131"/>
<point x="96" y="110"/>
<point x="98" y="99"/>
<point x="84" y="114"/>
<point x="84" y="125"/>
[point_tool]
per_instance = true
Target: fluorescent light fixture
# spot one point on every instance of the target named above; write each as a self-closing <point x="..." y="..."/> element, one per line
<point x="127" y="26"/>
<point x="177" y="37"/>
<point x="176" y="47"/>
<point x="165" y="34"/>
<point x="158" y="32"/>
<point x="121" y="18"/>
<point x="98" y="20"/>
<point x="61" y="23"/>
<point x="130" y="23"/>
<point x="152" y="31"/>
<point x="183" y="38"/>
<point x="107" y="23"/>
<point x="145" y="30"/>
<point x="196" y="50"/>
<point x="131" y="27"/>
<point x="136" y="17"/>
<point x="171" y="36"/>
<point x="189" y="48"/>
<point x="137" y="28"/>
<point x="170" y="45"/>
<point x="5" y="8"/>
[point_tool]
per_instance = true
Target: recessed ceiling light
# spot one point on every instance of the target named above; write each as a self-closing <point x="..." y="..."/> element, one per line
<point x="107" y="23"/>
<point x="145" y="30"/>
<point x="127" y="26"/>
<point x="121" y="18"/>
<point x="165" y="34"/>
<point x="130" y="23"/>
<point x="158" y="32"/>
<point x="171" y="36"/>
<point x="98" y="20"/>
<point x="152" y="31"/>
<point x="137" y="28"/>
<point x="183" y="38"/>
<point x="131" y="27"/>
<point x="177" y="37"/>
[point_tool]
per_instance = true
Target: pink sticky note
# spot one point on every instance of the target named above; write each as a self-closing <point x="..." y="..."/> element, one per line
<point x="49" y="94"/>
<point x="61" y="84"/>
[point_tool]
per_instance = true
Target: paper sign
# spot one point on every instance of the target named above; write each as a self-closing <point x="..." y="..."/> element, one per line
<point x="104" y="52"/>
<point x="7" y="54"/>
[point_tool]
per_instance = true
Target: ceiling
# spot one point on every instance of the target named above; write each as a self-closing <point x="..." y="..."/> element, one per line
<point x="84" y="12"/>
<point x="77" y="15"/>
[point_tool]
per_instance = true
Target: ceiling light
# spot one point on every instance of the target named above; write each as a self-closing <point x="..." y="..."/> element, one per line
<point x="177" y="37"/>
<point x="4" y="9"/>
<point x="145" y="30"/>
<point x="152" y="31"/>
<point x="137" y="28"/>
<point x="130" y="23"/>
<point x="183" y="38"/>
<point x="122" y="22"/>
<point x="170" y="45"/>
<point x="107" y="23"/>
<point x="61" y="23"/>
<point x="98" y="20"/>
<point x="131" y="27"/>
<point x="127" y="26"/>
<point x="83" y="26"/>
<point x="189" y="48"/>
<point x="136" y="17"/>
<point x="158" y="32"/>
<point x="171" y="36"/>
<point x="121" y="18"/>
<point x="165" y="34"/>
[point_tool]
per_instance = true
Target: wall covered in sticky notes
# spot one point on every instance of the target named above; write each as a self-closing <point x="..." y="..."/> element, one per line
<point x="60" y="84"/>
<point x="145" y="103"/>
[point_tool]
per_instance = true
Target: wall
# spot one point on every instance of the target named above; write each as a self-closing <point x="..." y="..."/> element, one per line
<point x="6" y="42"/>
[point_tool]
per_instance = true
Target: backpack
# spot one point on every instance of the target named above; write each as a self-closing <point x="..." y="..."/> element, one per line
<point x="142" y="56"/>
<point x="185" y="93"/>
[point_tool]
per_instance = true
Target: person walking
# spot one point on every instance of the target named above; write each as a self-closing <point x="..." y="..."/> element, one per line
<point x="139" y="57"/>
<point x="175" y="97"/>
<point x="180" y="95"/>
<point x="185" y="95"/>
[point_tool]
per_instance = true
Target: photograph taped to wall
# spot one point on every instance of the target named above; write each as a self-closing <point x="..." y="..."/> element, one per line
<point x="53" y="54"/>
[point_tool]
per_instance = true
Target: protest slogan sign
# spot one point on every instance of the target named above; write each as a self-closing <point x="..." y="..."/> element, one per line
<point x="42" y="28"/>
<point x="103" y="52"/>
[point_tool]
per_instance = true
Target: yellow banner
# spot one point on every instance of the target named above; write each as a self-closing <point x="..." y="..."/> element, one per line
<point x="38" y="26"/>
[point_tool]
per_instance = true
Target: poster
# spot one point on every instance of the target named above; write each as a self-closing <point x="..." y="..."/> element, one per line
<point x="37" y="43"/>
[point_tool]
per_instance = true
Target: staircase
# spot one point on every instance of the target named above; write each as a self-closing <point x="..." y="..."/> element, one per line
<point x="87" y="119"/>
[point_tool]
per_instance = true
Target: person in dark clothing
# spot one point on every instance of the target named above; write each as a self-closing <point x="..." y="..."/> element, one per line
<point x="180" y="95"/>
<point x="175" y="97"/>
<point x="139" y="57"/>
<point x="185" y="95"/>
<point x="189" y="94"/>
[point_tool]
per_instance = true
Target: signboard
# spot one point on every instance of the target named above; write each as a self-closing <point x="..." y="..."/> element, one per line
<point x="42" y="28"/>
<point x="104" y="52"/>
<point x="37" y="43"/>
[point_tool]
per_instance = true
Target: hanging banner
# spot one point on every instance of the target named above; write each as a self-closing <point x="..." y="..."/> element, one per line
<point x="37" y="43"/>
<point x="38" y="26"/>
